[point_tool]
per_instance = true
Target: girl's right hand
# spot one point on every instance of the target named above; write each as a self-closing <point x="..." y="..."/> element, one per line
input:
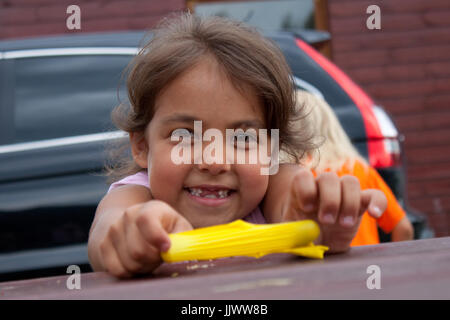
<point x="133" y="244"/>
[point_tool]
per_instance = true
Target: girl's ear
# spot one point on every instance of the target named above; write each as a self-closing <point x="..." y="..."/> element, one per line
<point x="139" y="148"/>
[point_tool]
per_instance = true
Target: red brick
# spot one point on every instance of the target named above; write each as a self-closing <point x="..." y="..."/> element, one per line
<point x="140" y="14"/>
<point x="438" y="101"/>
<point x="132" y="8"/>
<point x="421" y="54"/>
<point x="16" y="16"/>
<point x="439" y="137"/>
<point x="390" y="39"/>
<point x="389" y="23"/>
<point x="348" y="8"/>
<point x="55" y="13"/>
<point x="388" y="73"/>
<point x="110" y="9"/>
<point x="362" y="58"/>
<point x="26" y="31"/>
<point x="427" y="188"/>
<point x="438" y="216"/>
<point x="339" y="8"/>
<point x="441" y="68"/>
<point x="415" y="104"/>
<point x="400" y="106"/>
<point x="439" y="223"/>
<point x="438" y="205"/>
<point x="383" y="56"/>
<point x="426" y="172"/>
<point x="402" y="89"/>
<point x="438" y="188"/>
<point x="415" y="189"/>
<point x="35" y="3"/>
<point x="437" y="18"/>
<point x="144" y="23"/>
<point x="428" y="155"/>
<point x="108" y="24"/>
<point x="418" y="122"/>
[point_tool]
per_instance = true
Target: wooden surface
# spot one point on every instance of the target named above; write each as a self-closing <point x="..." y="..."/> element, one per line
<point x="409" y="270"/>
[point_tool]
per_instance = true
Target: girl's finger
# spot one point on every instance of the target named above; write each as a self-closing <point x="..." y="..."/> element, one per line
<point x="119" y="241"/>
<point x="373" y="201"/>
<point x="305" y="189"/>
<point x="111" y="261"/>
<point x="145" y="256"/>
<point x="303" y="196"/>
<point x="181" y="224"/>
<point x="157" y="224"/>
<point x="350" y="201"/>
<point x="329" y="187"/>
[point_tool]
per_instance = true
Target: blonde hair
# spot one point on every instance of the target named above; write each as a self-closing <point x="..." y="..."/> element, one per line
<point x="335" y="148"/>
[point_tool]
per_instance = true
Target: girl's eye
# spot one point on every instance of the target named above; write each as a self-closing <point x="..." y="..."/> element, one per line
<point x="182" y="133"/>
<point x="244" y="140"/>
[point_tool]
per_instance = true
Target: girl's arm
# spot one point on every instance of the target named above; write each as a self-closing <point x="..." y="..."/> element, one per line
<point x="278" y="193"/>
<point x="403" y="231"/>
<point x="130" y="230"/>
<point x="394" y="220"/>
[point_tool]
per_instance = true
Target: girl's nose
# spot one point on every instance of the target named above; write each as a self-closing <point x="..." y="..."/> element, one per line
<point x="213" y="160"/>
<point x="214" y="168"/>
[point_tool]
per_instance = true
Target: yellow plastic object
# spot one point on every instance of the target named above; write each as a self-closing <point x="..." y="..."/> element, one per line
<point x="240" y="238"/>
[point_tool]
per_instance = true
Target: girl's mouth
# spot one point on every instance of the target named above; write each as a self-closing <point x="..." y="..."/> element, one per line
<point x="210" y="195"/>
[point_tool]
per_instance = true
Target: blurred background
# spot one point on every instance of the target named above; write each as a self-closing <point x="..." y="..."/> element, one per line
<point x="404" y="67"/>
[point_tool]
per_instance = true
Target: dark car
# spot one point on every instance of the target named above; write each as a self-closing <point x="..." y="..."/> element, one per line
<point x="56" y="95"/>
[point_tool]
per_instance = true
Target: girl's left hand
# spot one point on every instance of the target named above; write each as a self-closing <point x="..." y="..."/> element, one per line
<point x="335" y="203"/>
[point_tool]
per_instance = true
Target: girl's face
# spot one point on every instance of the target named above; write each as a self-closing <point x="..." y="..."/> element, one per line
<point x="206" y="194"/>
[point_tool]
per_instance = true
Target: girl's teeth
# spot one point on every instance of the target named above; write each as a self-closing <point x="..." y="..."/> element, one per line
<point x="223" y="193"/>
<point x="198" y="192"/>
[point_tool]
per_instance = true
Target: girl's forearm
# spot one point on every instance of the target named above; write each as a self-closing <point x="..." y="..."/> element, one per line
<point x="97" y="233"/>
<point x="109" y="211"/>
<point x="403" y="231"/>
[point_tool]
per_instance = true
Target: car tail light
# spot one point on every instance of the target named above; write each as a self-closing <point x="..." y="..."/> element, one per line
<point x="383" y="146"/>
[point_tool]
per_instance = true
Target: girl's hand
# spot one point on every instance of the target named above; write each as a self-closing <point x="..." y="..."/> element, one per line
<point x="133" y="243"/>
<point x="335" y="203"/>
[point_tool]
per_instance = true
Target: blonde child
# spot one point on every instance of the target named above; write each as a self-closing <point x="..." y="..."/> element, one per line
<point x="337" y="154"/>
<point x="227" y="76"/>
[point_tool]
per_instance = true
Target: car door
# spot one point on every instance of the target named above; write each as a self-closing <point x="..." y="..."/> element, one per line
<point x="55" y="118"/>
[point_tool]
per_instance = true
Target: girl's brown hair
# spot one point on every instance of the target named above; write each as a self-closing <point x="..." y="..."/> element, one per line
<point x="247" y="58"/>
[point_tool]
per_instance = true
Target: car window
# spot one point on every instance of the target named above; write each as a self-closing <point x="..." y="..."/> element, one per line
<point x="66" y="95"/>
<point x="266" y="15"/>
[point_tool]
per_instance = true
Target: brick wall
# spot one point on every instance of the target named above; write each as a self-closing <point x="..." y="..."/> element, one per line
<point x="405" y="66"/>
<point x="26" y="18"/>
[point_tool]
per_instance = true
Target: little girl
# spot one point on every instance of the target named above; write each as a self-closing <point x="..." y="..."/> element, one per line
<point x="227" y="76"/>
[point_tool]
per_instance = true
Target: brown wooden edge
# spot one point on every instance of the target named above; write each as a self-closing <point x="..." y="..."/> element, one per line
<point x="322" y="22"/>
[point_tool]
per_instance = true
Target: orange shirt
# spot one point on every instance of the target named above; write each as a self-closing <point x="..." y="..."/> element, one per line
<point x="370" y="179"/>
